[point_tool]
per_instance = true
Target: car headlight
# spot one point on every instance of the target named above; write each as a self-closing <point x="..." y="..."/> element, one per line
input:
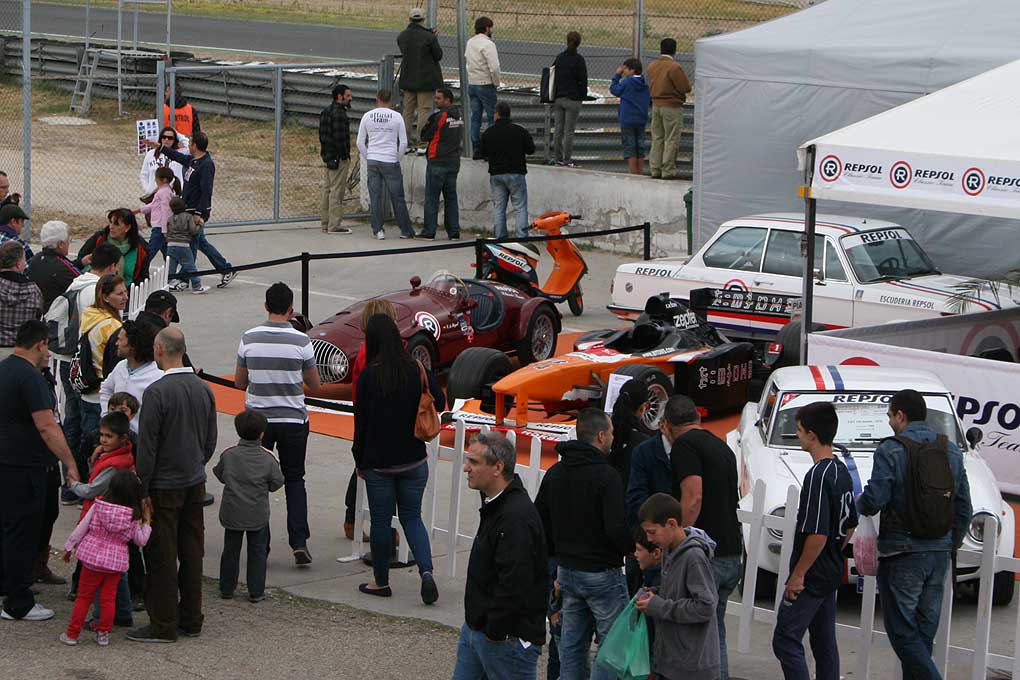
<point x="778" y="512"/>
<point x="977" y="526"/>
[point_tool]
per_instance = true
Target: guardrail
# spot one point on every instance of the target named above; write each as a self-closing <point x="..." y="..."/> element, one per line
<point x="250" y="96"/>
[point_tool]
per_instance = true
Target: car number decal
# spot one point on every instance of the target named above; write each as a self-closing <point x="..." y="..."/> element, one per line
<point x="429" y="323"/>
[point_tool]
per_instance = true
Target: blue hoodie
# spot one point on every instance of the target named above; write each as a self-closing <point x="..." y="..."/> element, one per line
<point x="635" y="99"/>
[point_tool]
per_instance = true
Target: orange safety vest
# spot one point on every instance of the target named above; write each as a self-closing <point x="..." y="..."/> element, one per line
<point x="183" y="119"/>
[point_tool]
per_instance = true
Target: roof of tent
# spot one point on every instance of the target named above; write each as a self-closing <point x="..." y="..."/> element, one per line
<point x="956" y="150"/>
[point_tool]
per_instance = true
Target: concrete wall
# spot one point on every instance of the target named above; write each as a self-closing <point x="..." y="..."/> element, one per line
<point x="604" y="199"/>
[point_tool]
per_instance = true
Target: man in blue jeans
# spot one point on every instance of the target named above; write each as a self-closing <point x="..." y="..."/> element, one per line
<point x="482" y="63"/>
<point x="506" y="146"/>
<point x="581" y="506"/>
<point x="443" y="134"/>
<point x="912" y="570"/>
<point x="382" y="140"/>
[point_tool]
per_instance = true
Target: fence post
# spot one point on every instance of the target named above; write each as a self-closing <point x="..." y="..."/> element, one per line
<point x="648" y="240"/>
<point x="305" y="266"/>
<point x="432" y="13"/>
<point x="789" y="532"/>
<point x="867" y="632"/>
<point x="26" y="113"/>
<point x="453" y="523"/>
<point x="941" y="653"/>
<point x="983" y="633"/>
<point x="547" y="133"/>
<point x="639" y="28"/>
<point x="160" y="86"/>
<point x="277" y="125"/>
<point x="751" y="568"/>
<point x="465" y="99"/>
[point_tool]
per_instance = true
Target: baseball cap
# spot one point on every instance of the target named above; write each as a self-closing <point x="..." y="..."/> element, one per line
<point x="12" y="211"/>
<point x="416" y="14"/>
<point x="161" y="300"/>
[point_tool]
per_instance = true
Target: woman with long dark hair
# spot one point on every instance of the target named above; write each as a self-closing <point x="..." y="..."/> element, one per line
<point x="628" y="430"/>
<point x="122" y="232"/>
<point x="388" y="456"/>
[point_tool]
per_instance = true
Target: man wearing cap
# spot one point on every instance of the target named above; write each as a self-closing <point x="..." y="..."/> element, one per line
<point x="12" y="223"/>
<point x="420" y="74"/>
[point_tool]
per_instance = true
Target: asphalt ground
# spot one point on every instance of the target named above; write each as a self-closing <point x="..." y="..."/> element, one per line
<point x="307" y="636"/>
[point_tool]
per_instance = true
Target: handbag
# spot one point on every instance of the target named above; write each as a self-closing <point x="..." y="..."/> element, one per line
<point x="625" y="650"/>
<point x="547" y="85"/>
<point x="426" y="422"/>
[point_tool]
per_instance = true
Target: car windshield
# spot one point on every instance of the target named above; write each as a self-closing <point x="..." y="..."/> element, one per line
<point x="886" y="254"/>
<point x="863" y="419"/>
<point x="446" y="284"/>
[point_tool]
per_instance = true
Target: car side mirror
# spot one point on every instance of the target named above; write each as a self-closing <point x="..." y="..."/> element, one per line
<point x="819" y="277"/>
<point x="974" y="435"/>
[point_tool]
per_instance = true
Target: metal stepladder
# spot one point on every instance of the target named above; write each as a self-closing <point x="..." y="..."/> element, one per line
<point x="91" y="68"/>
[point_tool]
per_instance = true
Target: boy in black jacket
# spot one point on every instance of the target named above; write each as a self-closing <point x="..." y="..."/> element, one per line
<point x="581" y="505"/>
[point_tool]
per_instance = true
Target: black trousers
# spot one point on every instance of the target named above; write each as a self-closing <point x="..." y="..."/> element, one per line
<point x="22" y="508"/>
<point x="230" y="560"/>
<point x="52" y="509"/>
<point x="291" y="443"/>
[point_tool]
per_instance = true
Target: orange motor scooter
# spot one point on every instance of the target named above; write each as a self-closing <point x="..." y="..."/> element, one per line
<point x="515" y="264"/>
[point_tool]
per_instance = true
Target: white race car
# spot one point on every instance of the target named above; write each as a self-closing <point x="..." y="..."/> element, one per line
<point x="766" y="446"/>
<point x="867" y="272"/>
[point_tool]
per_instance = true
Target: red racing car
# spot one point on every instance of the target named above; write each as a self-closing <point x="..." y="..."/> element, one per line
<point x="439" y="320"/>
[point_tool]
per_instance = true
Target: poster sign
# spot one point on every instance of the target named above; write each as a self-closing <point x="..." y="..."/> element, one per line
<point x="616" y="381"/>
<point x="147" y="129"/>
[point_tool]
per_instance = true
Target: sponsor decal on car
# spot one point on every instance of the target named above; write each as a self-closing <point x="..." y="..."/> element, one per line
<point x="906" y="302"/>
<point x="752" y="302"/>
<point x="429" y="323"/>
<point x="726" y="375"/>
<point x="653" y="271"/>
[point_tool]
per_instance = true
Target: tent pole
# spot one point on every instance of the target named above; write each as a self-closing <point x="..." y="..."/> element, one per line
<point x="808" y="249"/>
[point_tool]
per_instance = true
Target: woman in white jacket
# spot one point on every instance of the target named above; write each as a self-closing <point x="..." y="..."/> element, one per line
<point x="147" y="176"/>
<point x="138" y="369"/>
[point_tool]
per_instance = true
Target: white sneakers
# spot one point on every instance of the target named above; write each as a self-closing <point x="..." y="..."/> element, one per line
<point x="199" y="291"/>
<point x="380" y="235"/>
<point x="36" y="613"/>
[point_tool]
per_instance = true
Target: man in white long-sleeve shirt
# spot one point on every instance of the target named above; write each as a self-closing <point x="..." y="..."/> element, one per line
<point x="483" y="78"/>
<point x="382" y="140"/>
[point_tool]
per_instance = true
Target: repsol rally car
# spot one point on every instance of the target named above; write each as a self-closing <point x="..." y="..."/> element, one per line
<point x="669" y="347"/>
<point x="866" y="272"/>
<point x="767" y="448"/>
<point x="439" y="320"/>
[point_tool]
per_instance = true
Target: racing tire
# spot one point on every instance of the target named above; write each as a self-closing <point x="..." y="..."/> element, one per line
<point x="575" y="301"/>
<point x="539" y="342"/>
<point x="1003" y="586"/>
<point x="421" y="348"/>
<point x="660" y="389"/>
<point x="473" y="373"/>
<point x="789" y="338"/>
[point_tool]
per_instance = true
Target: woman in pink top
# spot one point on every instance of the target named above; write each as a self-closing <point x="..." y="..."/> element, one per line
<point x="101" y="544"/>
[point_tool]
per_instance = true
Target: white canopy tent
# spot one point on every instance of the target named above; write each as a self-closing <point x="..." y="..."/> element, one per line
<point x="955" y="150"/>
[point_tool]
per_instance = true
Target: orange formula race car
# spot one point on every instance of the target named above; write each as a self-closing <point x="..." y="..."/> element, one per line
<point x="669" y="347"/>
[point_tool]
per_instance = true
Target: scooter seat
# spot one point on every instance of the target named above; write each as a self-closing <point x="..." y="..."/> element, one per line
<point x="524" y="249"/>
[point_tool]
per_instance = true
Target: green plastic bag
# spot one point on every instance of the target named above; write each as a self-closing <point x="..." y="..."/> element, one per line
<point x="625" y="650"/>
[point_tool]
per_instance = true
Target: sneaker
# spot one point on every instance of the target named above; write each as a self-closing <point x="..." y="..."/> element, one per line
<point x="67" y="640"/>
<point x="36" y="613"/>
<point x="302" y="557"/>
<point x="200" y="290"/>
<point x="426" y="237"/>
<point x="227" y="596"/>
<point x="255" y="599"/>
<point x="429" y="591"/>
<point x="340" y="230"/>
<point x="145" y="634"/>
<point x="380" y="235"/>
<point x="226" y="279"/>
<point x="179" y="286"/>
<point x="406" y="236"/>
<point x="103" y="639"/>
<point x="189" y="632"/>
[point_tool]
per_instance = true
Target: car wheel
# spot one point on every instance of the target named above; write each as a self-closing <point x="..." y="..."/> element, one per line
<point x="1003" y="585"/>
<point x="789" y="338"/>
<point x="539" y="343"/>
<point x="576" y="301"/>
<point x="660" y="389"/>
<point x="473" y="373"/>
<point x="421" y="349"/>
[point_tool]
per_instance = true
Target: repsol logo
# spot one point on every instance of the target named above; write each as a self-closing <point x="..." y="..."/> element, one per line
<point x="1004" y="181"/>
<point x="1005" y="415"/>
<point x="863" y="168"/>
<point x="852" y="398"/>
<point x="512" y="260"/>
<point x="934" y="174"/>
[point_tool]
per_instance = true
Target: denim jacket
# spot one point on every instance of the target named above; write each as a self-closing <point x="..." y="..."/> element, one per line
<point x="886" y="488"/>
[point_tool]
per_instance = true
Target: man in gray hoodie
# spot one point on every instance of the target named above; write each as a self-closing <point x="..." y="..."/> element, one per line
<point x="684" y="608"/>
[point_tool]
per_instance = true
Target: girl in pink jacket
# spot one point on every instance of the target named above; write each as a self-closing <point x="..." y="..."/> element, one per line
<point x="101" y="544"/>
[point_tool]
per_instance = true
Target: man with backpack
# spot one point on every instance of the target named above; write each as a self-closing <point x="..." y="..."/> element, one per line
<point x="63" y="321"/>
<point x="919" y="484"/>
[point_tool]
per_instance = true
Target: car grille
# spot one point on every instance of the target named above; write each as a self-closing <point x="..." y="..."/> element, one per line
<point x="331" y="361"/>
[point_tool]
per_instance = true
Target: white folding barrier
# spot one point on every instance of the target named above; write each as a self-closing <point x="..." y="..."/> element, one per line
<point x="455" y="538"/>
<point x="159" y="279"/>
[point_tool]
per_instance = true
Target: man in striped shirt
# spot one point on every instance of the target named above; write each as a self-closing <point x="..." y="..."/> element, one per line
<point x="826" y="518"/>
<point x="275" y="364"/>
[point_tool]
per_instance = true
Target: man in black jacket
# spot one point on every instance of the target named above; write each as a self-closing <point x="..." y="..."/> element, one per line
<point x="506" y="146"/>
<point x="581" y="506"/>
<point x="420" y="73"/>
<point x="335" y="150"/>
<point x="507" y="580"/>
<point x="444" y="135"/>
<point x="50" y="269"/>
<point x="569" y="89"/>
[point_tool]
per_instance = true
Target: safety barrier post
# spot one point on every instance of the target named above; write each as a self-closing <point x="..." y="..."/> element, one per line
<point x="648" y="240"/>
<point x="751" y="567"/>
<point x="983" y="634"/>
<point x="789" y="533"/>
<point x="304" y="285"/>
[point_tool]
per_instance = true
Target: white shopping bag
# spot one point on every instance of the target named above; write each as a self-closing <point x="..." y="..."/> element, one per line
<point x="866" y="546"/>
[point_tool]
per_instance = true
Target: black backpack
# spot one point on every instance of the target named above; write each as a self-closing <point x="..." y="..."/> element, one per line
<point x="930" y="489"/>
<point x="83" y="376"/>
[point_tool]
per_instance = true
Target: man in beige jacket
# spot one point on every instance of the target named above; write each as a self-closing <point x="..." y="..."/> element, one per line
<point x="669" y="86"/>
<point x="483" y="78"/>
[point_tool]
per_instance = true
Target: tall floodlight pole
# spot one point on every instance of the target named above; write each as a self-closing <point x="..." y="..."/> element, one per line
<point x="465" y="99"/>
<point x="26" y="104"/>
